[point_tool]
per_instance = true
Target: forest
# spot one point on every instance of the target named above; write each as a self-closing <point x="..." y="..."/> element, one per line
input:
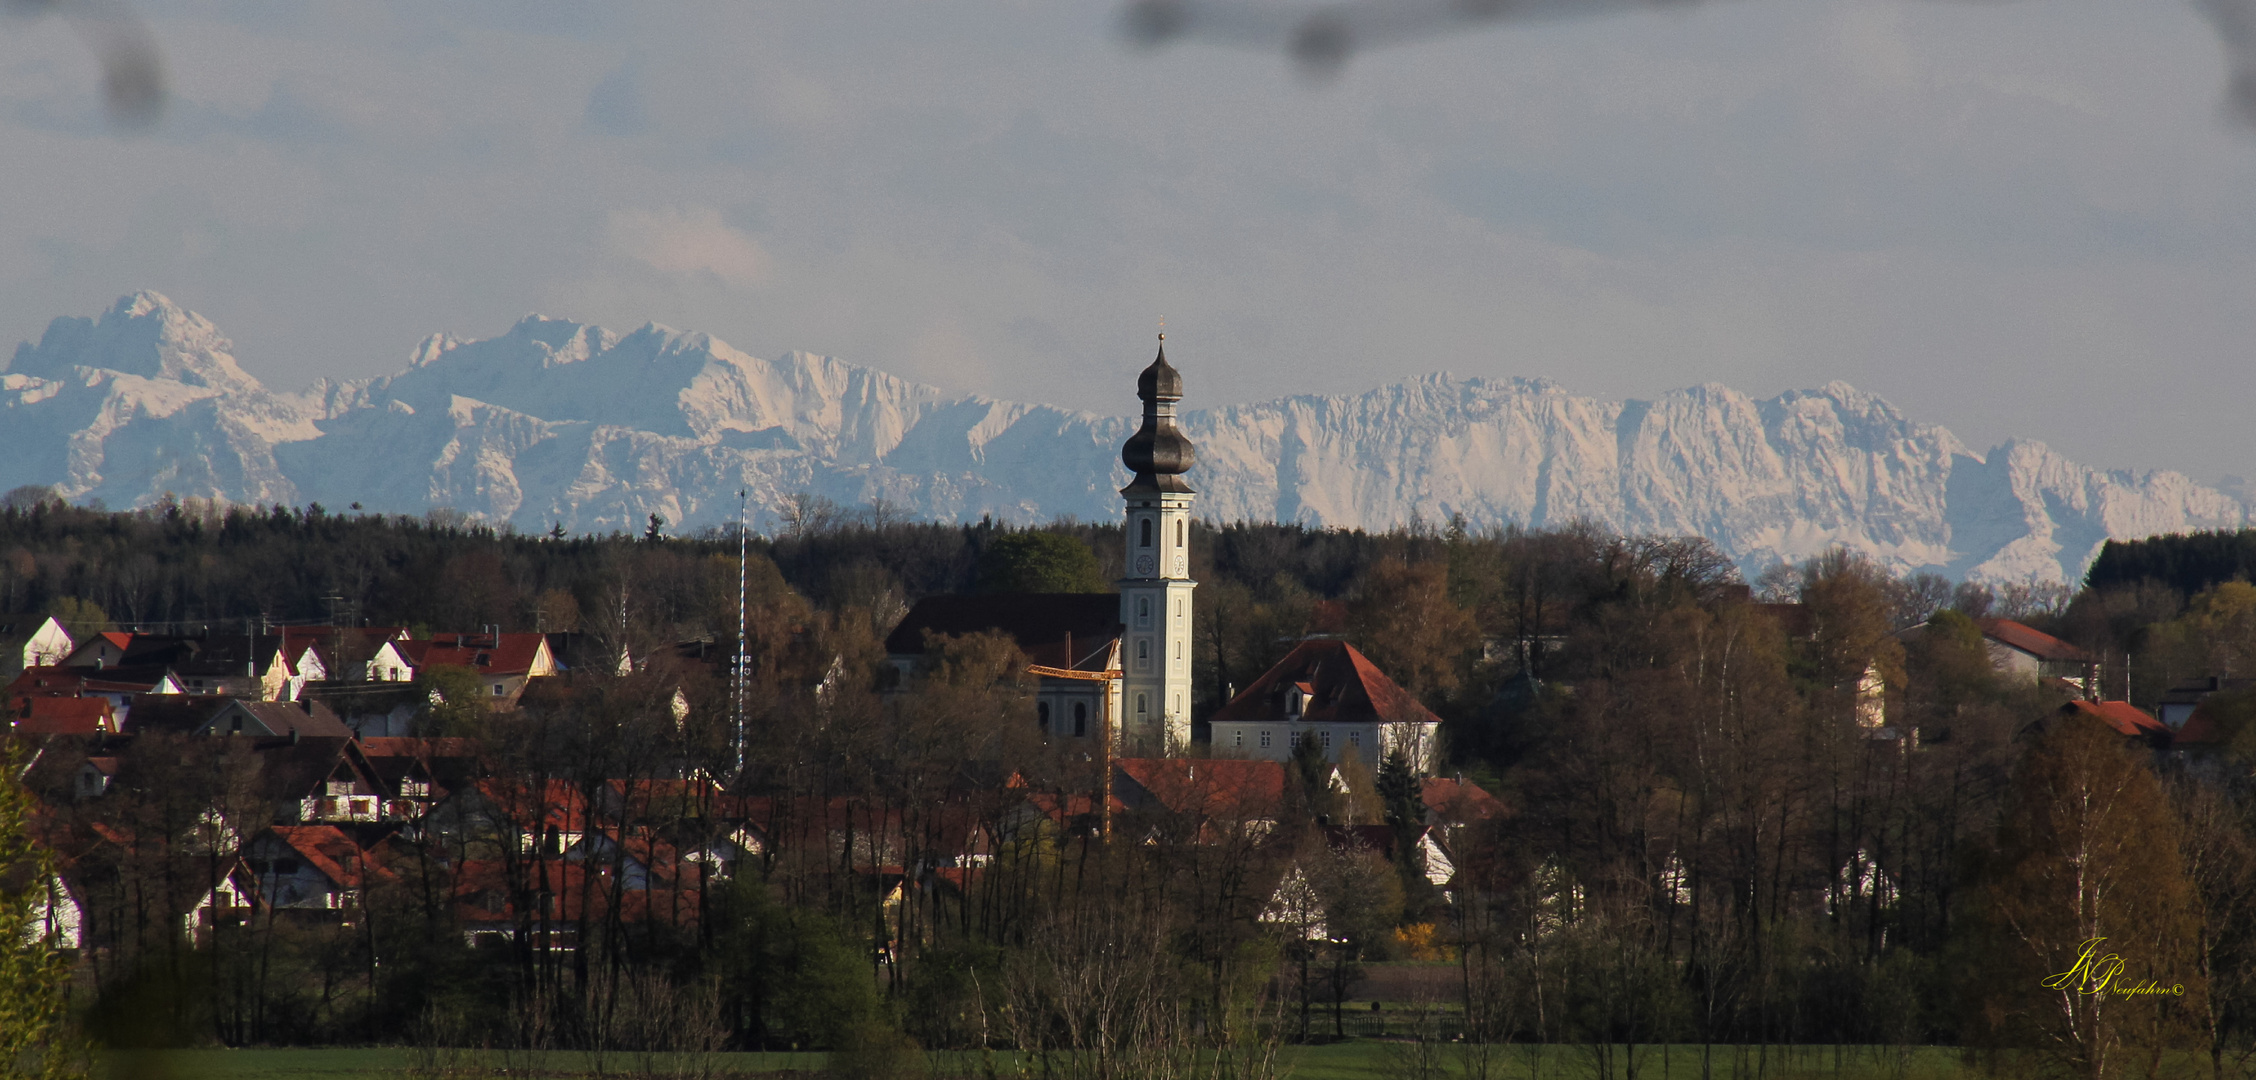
<point x="1704" y="838"/>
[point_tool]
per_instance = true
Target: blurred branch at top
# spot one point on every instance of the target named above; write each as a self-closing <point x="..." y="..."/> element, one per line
<point x="133" y="80"/>
<point x="1321" y="36"/>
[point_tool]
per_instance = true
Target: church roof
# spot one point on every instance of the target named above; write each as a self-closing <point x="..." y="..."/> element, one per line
<point x="1058" y="629"/>
<point x="1341" y="685"/>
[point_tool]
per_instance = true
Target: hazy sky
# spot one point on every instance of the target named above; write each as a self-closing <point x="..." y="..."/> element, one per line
<point x="2012" y="219"/>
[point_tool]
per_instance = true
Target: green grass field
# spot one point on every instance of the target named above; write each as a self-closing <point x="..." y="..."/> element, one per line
<point x="1357" y="1059"/>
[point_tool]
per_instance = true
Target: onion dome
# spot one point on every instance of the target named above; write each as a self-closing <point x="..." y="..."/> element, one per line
<point x="1158" y="453"/>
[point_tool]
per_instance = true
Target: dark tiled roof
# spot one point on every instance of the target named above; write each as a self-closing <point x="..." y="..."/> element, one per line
<point x="1041" y="623"/>
<point x="306" y="719"/>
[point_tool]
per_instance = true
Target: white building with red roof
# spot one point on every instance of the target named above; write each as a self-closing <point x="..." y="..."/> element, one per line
<point x="1327" y="691"/>
<point x="2028" y="653"/>
<point x="503" y="662"/>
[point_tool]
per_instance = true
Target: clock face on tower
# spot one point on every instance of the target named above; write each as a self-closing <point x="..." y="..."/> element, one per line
<point x="1144" y="565"/>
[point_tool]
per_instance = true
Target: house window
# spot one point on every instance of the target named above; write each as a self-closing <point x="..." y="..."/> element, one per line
<point x="1327" y="739"/>
<point x="1147" y="533"/>
<point x="1042" y="716"/>
<point x="1240" y="738"/>
<point x="1080" y="719"/>
<point x="1265" y="740"/>
<point x="1355" y="739"/>
<point x="1143" y="654"/>
<point x="497" y="689"/>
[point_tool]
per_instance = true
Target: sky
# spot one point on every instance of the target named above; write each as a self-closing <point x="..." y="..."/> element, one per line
<point x="2024" y="219"/>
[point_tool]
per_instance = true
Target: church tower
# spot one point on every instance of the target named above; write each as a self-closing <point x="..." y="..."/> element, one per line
<point x="1155" y="597"/>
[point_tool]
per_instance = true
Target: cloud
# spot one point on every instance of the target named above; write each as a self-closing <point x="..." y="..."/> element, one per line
<point x="690" y="242"/>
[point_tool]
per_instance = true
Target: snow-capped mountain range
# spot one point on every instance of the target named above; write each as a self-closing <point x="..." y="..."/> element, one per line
<point x="556" y="421"/>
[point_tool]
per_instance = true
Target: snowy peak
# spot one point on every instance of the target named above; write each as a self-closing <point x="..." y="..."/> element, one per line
<point x="144" y="334"/>
<point x="556" y="421"/>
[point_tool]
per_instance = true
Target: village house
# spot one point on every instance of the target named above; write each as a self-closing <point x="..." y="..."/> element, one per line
<point x="66" y="716"/>
<point x="308" y="868"/>
<point x="275" y="718"/>
<point x="2023" y="652"/>
<point x="502" y="662"/>
<point x="30" y="643"/>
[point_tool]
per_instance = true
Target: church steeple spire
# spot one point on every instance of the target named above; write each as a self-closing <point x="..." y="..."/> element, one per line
<point x="1158" y="453"/>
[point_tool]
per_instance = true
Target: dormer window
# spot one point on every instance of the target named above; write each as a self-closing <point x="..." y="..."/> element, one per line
<point x="1293" y="701"/>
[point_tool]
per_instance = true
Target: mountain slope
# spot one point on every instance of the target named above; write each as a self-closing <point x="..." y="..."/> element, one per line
<point x="556" y="421"/>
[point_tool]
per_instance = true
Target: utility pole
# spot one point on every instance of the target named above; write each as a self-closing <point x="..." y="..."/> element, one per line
<point x="743" y="622"/>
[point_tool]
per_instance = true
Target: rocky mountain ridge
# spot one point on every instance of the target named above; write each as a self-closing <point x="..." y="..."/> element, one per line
<point x="560" y="422"/>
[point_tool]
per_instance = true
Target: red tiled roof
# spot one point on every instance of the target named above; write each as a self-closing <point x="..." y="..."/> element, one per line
<point x="2030" y="640"/>
<point x="640" y="799"/>
<point x="420" y="749"/>
<point x="1212" y="788"/>
<point x="1345" y="688"/>
<point x="328" y="849"/>
<point x="488" y="654"/>
<point x="2124" y="717"/>
<point x="65" y="716"/>
<point x="484" y="893"/>
<point x="1458" y="800"/>
<point x="545" y="803"/>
